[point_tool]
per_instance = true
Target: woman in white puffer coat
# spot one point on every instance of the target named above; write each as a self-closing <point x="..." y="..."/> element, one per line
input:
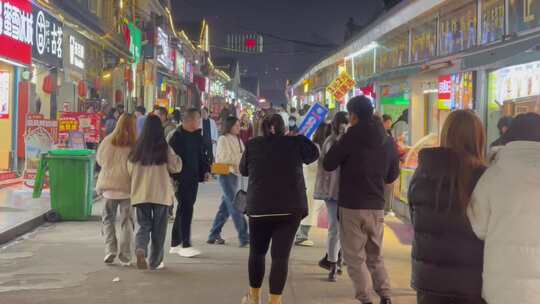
<point x="505" y="212"/>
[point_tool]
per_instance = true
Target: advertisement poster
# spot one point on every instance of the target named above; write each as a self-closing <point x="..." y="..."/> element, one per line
<point x="341" y="86"/>
<point x="515" y="82"/>
<point x="87" y="123"/>
<point x="424" y="41"/>
<point x="4" y="94"/>
<point x="492" y="20"/>
<point x="523" y="15"/>
<point x="456" y="91"/>
<point x="315" y="116"/>
<point x="41" y="135"/>
<point x="458" y="29"/>
<point x="393" y="53"/>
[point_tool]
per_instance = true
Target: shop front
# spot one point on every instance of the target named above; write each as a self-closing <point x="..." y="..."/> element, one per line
<point x="15" y="56"/>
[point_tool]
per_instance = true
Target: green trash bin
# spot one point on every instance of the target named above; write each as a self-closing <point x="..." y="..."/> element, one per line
<point x="71" y="180"/>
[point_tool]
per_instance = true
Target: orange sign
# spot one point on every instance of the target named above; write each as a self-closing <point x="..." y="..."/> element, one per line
<point x="341" y="85"/>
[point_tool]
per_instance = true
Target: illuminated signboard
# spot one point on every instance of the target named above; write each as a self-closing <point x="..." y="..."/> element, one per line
<point x="16" y="30"/>
<point x="47" y="42"/>
<point x="456" y="91"/>
<point x="164" y="55"/>
<point x="76" y="52"/>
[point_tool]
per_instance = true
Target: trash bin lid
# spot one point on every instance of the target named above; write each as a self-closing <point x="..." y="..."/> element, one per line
<point x="71" y="152"/>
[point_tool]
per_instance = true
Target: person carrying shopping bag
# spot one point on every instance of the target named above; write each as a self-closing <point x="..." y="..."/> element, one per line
<point x="150" y="165"/>
<point x="229" y="153"/>
<point x="114" y="184"/>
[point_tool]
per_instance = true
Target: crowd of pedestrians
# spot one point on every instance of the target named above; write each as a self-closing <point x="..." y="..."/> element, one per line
<point x="472" y="207"/>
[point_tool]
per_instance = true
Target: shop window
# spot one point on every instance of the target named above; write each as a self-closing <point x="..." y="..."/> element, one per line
<point x="458" y="27"/>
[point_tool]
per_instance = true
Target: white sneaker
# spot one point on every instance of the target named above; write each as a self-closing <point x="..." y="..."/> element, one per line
<point x="189" y="252"/>
<point x="109" y="258"/>
<point x="160" y="266"/>
<point x="174" y="250"/>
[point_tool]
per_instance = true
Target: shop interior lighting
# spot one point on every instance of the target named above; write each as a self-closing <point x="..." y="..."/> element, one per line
<point x="107" y="76"/>
<point x="373" y="45"/>
<point x="431" y="91"/>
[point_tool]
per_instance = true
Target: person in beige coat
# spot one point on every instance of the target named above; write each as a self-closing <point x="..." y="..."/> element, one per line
<point x="150" y="164"/>
<point x="229" y="151"/>
<point x="114" y="184"/>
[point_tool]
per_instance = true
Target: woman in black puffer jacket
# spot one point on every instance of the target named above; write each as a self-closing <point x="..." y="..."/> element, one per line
<point x="447" y="257"/>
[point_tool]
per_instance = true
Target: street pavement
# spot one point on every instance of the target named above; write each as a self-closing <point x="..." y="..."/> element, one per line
<point x="62" y="263"/>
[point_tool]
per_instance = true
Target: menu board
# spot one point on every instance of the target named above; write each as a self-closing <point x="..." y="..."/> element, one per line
<point x="87" y="123"/>
<point x="363" y="65"/>
<point x="458" y="29"/>
<point x="393" y="52"/>
<point x="492" y="20"/>
<point x="424" y="41"/>
<point x="515" y="82"/>
<point x="523" y="15"/>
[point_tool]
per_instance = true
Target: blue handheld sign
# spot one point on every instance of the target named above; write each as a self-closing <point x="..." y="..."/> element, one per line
<point x="315" y="116"/>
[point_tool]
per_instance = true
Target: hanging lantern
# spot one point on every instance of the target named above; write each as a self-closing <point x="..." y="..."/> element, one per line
<point x="48" y="84"/>
<point x="82" y="89"/>
<point x="127" y="74"/>
<point x="168" y="90"/>
<point x="97" y="83"/>
<point x="118" y="96"/>
<point x="130" y="85"/>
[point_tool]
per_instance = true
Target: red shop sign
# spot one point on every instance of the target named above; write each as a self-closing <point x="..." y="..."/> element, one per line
<point x="445" y="87"/>
<point x="16" y="30"/>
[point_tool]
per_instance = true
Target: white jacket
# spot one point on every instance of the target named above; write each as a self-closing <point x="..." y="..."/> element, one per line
<point x="505" y="212"/>
<point x="113" y="160"/>
<point x="229" y="151"/>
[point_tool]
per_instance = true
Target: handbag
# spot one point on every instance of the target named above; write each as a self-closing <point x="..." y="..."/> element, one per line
<point x="221" y="169"/>
<point x="240" y="199"/>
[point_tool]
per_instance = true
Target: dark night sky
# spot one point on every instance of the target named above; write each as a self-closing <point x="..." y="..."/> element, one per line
<point x="318" y="21"/>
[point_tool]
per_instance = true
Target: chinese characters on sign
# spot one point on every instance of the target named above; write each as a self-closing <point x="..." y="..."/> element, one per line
<point x="87" y="123"/>
<point x="40" y="136"/>
<point x="47" y="43"/>
<point x="339" y="87"/>
<point x="164" y="56"/>
<point x="16" y="30"/>
<point x="315" y="116"/>
<point x="76" y="53"/>
<point x="456" y="91"/>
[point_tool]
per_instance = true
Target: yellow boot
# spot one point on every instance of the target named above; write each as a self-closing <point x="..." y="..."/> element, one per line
<point x="253" y="296"/>
<point x="275" y="299"/>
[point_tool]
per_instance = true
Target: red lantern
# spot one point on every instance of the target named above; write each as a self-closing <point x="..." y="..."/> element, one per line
<point x="48" y="84"/>
<point x="130" y="85"/>
<point x="127" y="74"/>
<point x="97" y="83"/>
<point x="82" y="89"/>
<point x="118" y="96"/>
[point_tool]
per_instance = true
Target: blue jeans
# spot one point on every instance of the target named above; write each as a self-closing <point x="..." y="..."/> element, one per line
<point x="333" y="245"/>
<point x="229" y="185"/>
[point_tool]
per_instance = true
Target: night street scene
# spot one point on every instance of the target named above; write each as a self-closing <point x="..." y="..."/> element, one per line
<point x="276" y="152"/>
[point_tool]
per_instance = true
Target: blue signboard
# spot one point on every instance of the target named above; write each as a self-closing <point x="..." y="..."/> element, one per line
<point x="315" y="116"/>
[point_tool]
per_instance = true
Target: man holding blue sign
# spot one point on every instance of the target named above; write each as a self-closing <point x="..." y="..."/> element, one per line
<point x="367" y="164"/>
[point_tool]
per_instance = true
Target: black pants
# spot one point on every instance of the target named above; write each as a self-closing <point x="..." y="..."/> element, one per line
<point x="186" y="194"/>
<point x="152" y="219"/>
<point x="280" y="231"/>
<point x="423" y="298"/>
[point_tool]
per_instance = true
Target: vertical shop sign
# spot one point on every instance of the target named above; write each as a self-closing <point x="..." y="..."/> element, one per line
<point x="135" y="42"/>
<point x="523" y="15"/>
<point x="47" y="42"/>
<point x="424" y="41"/>
<point x="492" y="20"/>
<point x="16" y="30"/>
<point x="458" y="29"/>
<point x="76" y="52"/>
<point x="164" y="54"/>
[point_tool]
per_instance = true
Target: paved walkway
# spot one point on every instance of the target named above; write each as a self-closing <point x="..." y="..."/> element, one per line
<point x="62" y="263"/>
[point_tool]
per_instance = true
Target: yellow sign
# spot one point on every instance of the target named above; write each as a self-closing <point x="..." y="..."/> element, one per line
<point x="341" y="85"/>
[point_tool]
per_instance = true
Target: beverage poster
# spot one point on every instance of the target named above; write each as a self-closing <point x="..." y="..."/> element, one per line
<point x="458" y="29"/>
<point x="424" y="41"/>
<point x="523" y="15"/>
<point x="492" y="20"/>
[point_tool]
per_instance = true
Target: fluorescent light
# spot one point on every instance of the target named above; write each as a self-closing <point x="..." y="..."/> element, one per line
<point x="373" y="45"/>
<point x="12" y="62"/>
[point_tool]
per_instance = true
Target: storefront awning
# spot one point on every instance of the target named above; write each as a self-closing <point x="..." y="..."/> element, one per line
<point x="499" y="52"/>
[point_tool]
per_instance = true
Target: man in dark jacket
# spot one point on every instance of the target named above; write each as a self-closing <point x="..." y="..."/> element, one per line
<point x="367" y="163"/>
<point x="188" y="143"/>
